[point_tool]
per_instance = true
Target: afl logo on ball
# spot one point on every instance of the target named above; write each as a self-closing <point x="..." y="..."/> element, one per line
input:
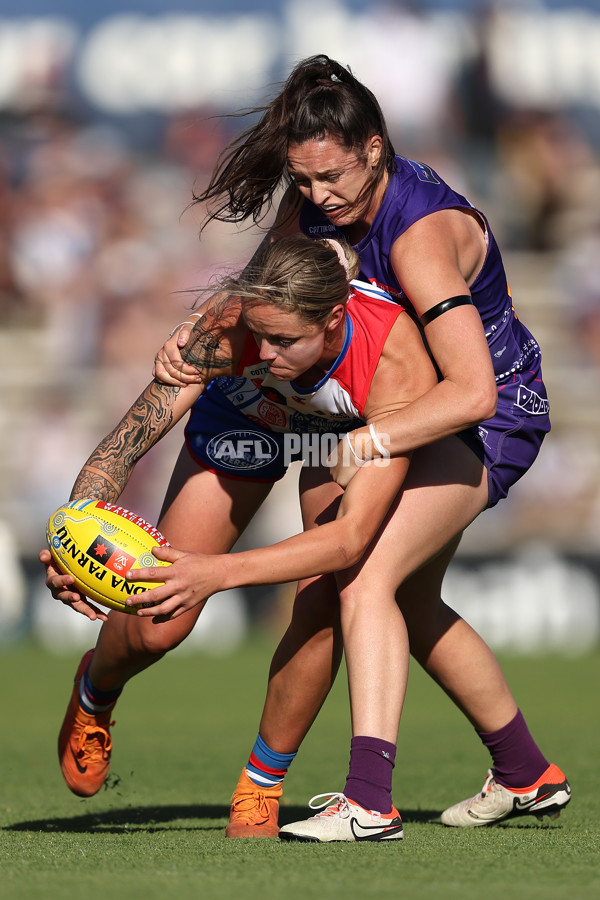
<point x="242" y="449"/>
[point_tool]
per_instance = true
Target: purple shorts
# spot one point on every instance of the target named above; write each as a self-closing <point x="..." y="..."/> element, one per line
<point x="508" y="443"/>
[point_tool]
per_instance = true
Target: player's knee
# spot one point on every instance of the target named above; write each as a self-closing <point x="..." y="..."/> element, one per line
<point x="318" y="602"/>
<point x="153" y="642"/>
<point x="426" y="625"/>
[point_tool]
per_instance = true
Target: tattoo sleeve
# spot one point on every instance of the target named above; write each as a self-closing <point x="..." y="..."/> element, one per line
<point x="109" y="467"/>
<point x="209" y="349"/>
<point x="204" y="349"/>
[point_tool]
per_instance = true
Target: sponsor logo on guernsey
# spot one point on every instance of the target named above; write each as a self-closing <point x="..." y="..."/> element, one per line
<point x="322" y="229"/>
<point x="258" y="371"/>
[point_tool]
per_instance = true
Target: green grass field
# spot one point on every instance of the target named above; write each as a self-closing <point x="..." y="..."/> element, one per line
<point x="185" y="728"/>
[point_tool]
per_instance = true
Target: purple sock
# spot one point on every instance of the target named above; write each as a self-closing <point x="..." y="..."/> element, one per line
<point x="517" y="760"/>
<point x="369" y="781"/>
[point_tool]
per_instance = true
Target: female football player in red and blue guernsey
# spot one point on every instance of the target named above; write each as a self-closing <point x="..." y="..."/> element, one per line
<point x="291" y="349"/>
<point x="473" y="436"/>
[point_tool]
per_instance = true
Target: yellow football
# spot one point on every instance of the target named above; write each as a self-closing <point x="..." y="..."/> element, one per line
<point x="96" y="543"/>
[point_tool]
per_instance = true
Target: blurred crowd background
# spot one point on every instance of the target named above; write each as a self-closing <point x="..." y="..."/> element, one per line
<point x="110" y="114"/>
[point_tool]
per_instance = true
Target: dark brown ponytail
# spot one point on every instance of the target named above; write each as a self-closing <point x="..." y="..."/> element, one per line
<point x="320" y="99"/>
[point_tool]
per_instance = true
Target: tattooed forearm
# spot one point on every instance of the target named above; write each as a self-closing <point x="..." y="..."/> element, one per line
<point x="109" y="467"/>
<point x="204" y="349"/>
<point x="94" y="484"/>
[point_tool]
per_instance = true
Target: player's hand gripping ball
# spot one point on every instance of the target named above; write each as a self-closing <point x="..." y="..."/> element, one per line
<point x="96" y="543"/>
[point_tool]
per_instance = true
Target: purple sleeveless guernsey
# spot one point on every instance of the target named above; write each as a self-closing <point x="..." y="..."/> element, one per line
<point x="415" y="191"/>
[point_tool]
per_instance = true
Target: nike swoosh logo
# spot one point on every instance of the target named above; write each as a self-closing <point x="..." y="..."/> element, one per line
<point x="551" y="791"/>
<point x="527" y="804"/>
<point x="80" y="768"/>
<point x="373" y="832"/>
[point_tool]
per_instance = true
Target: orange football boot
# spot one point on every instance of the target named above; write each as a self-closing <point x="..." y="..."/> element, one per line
<point x="254" y="810"/>
<point x="84" y="743"/>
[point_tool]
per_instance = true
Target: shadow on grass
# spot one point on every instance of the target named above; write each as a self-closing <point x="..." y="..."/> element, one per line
<point x="133" y="818"/>
<point x="165" y="818"/>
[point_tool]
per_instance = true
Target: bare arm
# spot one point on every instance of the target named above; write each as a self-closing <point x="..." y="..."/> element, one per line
<point x="437" y="258"/>
<point x="173" y="364"/>
<point x="109" y="467"/>
<point x="107" y="471"/>
<point x="103" y="477"/>
<point x="214" y="349"/>
<point x="329" y="547"/>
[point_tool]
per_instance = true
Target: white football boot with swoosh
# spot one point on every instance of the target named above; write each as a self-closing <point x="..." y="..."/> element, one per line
<point x="495" y="803"/>
<point x="344" y="820"/>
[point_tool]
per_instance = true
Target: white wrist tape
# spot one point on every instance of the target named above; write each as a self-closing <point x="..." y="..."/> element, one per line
<point x="187" y="322"/>
<point x="383" y="451"/>
<point x="358" y="460"/>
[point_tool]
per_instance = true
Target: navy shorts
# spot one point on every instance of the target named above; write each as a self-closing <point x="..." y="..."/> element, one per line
<point x="224" y="440"/>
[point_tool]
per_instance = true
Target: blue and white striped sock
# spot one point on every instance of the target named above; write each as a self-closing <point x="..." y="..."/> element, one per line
<point x="266" y="767"/>
<point x="92" y="700"/>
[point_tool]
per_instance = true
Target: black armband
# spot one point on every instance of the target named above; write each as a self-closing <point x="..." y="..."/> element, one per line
<point x="440" y="308"/>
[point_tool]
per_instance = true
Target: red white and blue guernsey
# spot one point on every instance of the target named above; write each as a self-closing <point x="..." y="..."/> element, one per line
<point x="509" y="442"/>
<point x="237" y="426"/>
